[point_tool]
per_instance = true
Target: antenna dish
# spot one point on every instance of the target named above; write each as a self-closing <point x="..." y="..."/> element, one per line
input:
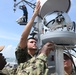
<point x="54" y="5"/>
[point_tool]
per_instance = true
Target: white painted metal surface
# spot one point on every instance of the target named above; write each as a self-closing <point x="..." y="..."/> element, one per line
<point x="60" y="36"/>
<point x="59" y="61"/>
<point x="54" y="5"/>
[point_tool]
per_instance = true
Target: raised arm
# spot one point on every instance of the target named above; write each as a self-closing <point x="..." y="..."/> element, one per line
<point x="28" y="27"/>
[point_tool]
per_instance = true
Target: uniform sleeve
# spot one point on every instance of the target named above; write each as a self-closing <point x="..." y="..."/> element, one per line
<point x="37" y="67"/>
<point x="21" y="55"/>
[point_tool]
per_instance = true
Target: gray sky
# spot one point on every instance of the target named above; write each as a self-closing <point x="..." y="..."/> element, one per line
<point x="10" y="31"/>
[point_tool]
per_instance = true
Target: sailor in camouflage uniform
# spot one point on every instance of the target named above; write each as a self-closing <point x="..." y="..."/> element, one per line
<point x="69" y="65"/>
<point x="38" y="65"/>
<point x="27" y="47"/>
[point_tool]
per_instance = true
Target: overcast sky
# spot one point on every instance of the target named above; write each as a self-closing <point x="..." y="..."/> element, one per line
<point x="10" y="31"/>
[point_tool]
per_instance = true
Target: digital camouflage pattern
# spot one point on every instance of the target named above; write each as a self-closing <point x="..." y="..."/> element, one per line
<point x="35" y="66"/>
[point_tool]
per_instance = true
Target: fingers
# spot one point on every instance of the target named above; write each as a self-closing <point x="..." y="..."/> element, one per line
<point x="38" y="5"/>
<point x="50" y="45"/>
<point x="47" y="48"/>
<point x="37" y="8"/>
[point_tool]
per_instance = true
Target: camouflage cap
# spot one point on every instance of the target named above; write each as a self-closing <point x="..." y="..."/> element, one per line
<point x="1" y="48"/>
<point x="68" y="55"/>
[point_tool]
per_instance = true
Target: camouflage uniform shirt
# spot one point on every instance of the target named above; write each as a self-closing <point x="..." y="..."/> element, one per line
<point x="22" y="55"/>
<point x="35" y="66"/>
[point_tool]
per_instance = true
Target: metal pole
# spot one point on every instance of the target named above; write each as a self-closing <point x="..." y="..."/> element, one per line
<point x="59" y="61"/>
<point x="38" y="26"/>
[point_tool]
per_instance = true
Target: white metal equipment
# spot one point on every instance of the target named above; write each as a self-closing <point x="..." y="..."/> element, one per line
<point x="60" y="28"/>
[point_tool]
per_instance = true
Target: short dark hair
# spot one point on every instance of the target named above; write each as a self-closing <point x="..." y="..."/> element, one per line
<point x="32" y="38"/>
